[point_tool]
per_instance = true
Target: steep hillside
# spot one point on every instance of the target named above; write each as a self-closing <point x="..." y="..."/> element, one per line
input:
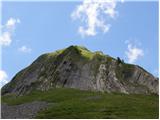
<point x="77" y="67"/>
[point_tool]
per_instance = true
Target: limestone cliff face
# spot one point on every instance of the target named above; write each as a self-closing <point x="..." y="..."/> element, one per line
<point x="77" y="67"/>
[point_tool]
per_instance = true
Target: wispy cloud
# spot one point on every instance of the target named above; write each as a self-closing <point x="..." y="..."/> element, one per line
<point x="94" y="14"/>
<point x="3" y="78"/>
<point x="133" y="53"/>
<point x="8" y="30"/>
<point x="24" y="49"/>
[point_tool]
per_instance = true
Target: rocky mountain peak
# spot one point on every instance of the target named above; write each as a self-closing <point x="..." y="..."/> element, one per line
<point x="77" y="67"/>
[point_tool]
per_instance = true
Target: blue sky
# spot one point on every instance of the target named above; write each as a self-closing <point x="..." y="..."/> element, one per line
<point x="42" y="27"/>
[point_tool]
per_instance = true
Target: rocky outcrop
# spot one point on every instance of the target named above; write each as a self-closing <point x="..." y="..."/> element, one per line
<point x="77" y="67"/>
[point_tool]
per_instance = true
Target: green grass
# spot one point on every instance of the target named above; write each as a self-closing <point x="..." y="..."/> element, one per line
<point x="72" y="103"/>
<point x="52" y="54"/>
<point x="85" y="52"/>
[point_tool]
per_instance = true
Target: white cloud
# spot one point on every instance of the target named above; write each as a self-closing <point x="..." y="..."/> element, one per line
<point x="5" y="39"/>
<point x="11" y="23"/>
<point x="8" y="29"/>
<point x="94" y="14"/>
<point x="25" y="49"/>
<point x="3" y="78"/>
<point x="133" y="53"/>
<point x="122" y="1"/>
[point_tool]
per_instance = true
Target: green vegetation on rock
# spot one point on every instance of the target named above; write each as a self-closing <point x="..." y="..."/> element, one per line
<point x="124" y="69"/>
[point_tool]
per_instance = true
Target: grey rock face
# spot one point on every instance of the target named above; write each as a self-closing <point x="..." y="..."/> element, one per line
<point x="77" y="67"/>
<point x="107" y="80"/>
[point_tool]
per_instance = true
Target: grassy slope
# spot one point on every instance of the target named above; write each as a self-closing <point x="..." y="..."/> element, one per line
<point x="71" y="103"/>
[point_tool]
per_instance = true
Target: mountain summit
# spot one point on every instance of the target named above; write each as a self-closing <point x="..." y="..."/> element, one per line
<point x="77" y="67"/>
